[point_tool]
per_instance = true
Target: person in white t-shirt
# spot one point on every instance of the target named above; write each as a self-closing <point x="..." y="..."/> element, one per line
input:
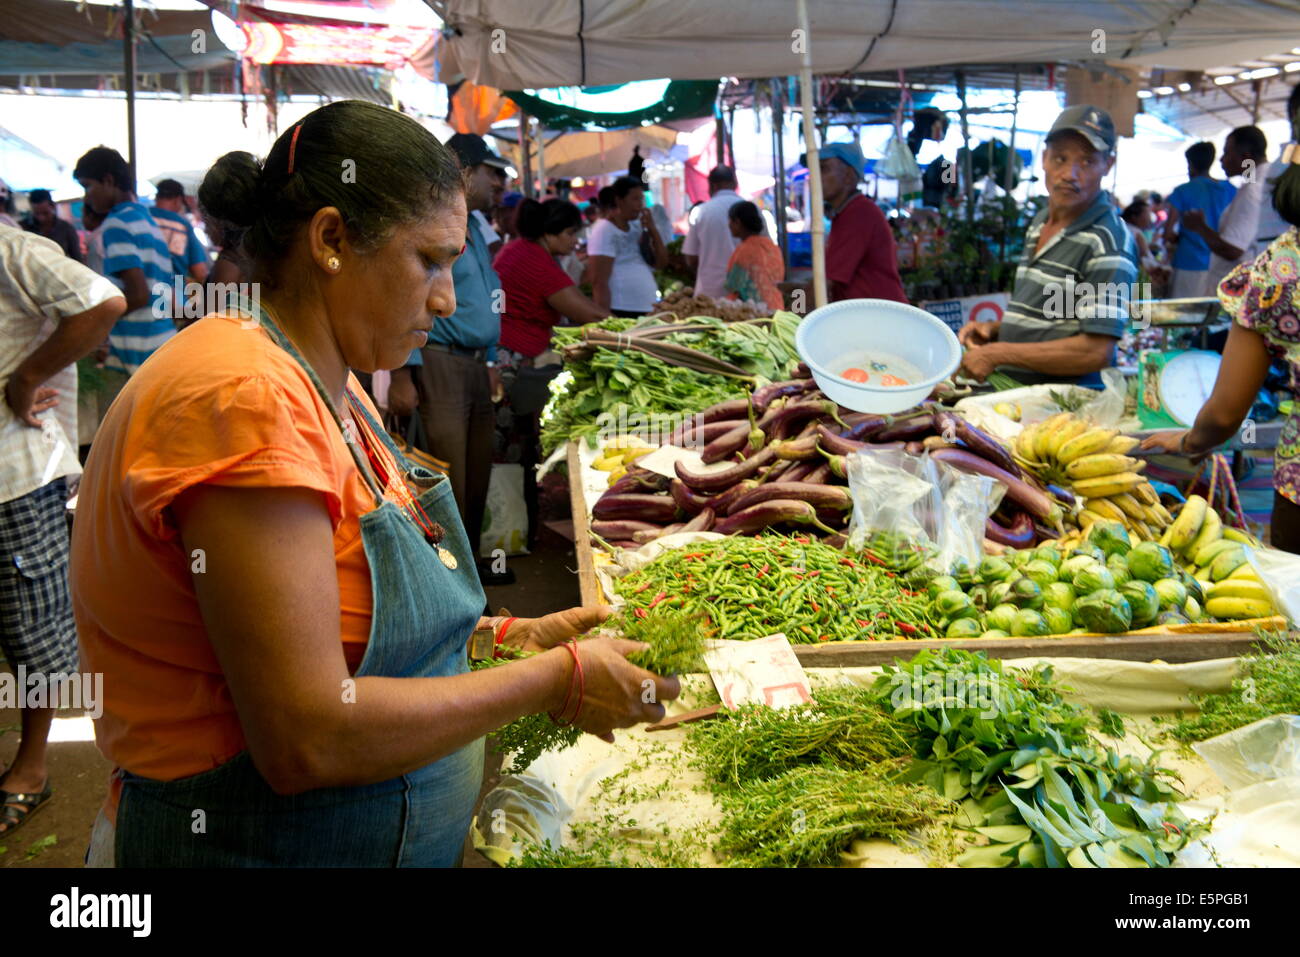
<point x="622" y="282"/>
<point x="709" y="244"/>
<point x="53" y="311"/>
<point x="1244" y="154"/>
<point x="1271" y="224"/>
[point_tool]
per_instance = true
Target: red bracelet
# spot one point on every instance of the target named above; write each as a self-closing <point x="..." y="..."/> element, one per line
<point x="501" y="636"/>
<point x="577" y="667"/>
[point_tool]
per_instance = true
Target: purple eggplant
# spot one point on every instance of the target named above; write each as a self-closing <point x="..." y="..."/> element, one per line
<point x="624" y="528"/>
<point x="782" y="425"/>
<point x="639" y="480"/>
<point x="692" y="433"/>
<point x="720" y="503"/>
<point x="1062" y="495"/>
<point x="914" y="426"/>
<point x="689" y="501"/>
<point x="795" y="471"/>
<point x="765" y="514"/>
<point x="702" y="522"/>
<point x="977" y="440"/>
<point x="650" y="534"/>
<point x="659" y="509"/>
<point x="731" y="409"/>
<point x="800" y="449"/>
<point x="831" y="441"/>
<point x="763" y="396"/>
<point x="820" y="474"/>
<point x="1020" y="534"/>
<point x="725" y="478"/>
<point x="779" y="470"/>
<point x="801" y="371"/>
<point x="820" y="496"/>
<point x="726" y="444"/>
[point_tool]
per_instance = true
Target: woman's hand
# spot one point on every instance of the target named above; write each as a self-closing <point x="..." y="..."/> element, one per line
<point x="616" y="693"/>
<point x="551" y="631"/>
<point x="1169" y="442"/>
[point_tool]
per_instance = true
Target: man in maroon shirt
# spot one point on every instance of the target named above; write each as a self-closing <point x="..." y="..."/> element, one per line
<point x="861" y="257"/>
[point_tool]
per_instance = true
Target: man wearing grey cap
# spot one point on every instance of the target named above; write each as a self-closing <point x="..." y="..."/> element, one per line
<point x="1070" y="302"/>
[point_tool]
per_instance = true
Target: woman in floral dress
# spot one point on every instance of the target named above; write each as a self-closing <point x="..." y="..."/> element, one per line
<point x="1263" y="299"/>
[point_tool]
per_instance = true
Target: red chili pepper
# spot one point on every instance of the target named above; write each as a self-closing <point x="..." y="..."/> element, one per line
<point x="803" y="541"/>
<point x="848" y="561"/>
<point x="824" y="638"/>
<point x="815" y="607"/>
<point x="862" y="622"/>
<point x="658" y="598"/>
<point x="694" y="555"/>
<point x="642" y="588"/>
<point x="641" y="612"/>
<point x="813" y="574"/>
<point x="763" y="571"/>
<point x="905" y="628"/>
<point x="874" y="560"/>
<point x="806" y="629"/>
<point x="746" y="565"/>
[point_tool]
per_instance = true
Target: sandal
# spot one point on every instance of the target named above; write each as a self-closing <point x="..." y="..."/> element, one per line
<point x="11" y="817"/>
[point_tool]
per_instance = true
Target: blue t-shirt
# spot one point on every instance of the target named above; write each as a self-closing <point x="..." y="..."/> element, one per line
<point x="1209" y="195"/>
<point x="132" y="240"/>
<point x="183" y="243"/>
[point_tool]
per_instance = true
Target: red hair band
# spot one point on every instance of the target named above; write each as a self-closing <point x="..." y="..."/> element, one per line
<point x="293" y="145"/>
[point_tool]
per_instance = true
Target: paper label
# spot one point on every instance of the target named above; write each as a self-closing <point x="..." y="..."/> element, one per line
<point x="663" y="459"/>
<point x="765" y="671"/>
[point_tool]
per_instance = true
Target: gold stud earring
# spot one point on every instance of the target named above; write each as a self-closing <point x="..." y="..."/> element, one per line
<point x="333" y="264"/>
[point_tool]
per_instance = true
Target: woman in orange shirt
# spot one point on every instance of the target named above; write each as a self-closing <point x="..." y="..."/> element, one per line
<point x="278" y="605"/>
<point x="756" y="264"/>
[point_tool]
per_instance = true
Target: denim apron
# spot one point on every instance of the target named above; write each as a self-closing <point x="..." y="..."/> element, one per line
<point x="424" y="612"/>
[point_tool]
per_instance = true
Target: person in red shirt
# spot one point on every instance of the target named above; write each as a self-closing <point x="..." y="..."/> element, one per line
<point x="538" y="294"/>
<point x="861" y="256"/>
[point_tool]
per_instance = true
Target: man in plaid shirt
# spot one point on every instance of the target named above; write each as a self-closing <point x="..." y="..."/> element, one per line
<point x="53" y="311"/>
<point x="1071" y="299"/>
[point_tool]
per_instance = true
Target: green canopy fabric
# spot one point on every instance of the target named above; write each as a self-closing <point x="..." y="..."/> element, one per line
<point x="682" y="100"/>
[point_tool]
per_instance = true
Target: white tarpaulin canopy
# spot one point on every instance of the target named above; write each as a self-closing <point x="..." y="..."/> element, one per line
<point x="523" y="44"/>
<point x="598" y="152"/>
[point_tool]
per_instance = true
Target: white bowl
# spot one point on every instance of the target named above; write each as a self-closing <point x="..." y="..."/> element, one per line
<point x="885" y="327"/>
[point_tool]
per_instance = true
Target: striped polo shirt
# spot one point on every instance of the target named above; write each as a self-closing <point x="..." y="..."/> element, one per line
<point x="1080" y="281"/>
<point x="132" y="240"/>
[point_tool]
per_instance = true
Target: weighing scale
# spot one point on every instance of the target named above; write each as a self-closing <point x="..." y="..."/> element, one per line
<point x="1172" y="386"/>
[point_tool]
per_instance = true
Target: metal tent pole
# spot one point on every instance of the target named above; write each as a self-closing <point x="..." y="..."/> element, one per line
<point x="817" y="215"/>
<point x="128" y="44"/>
<point x="778" y="157"/>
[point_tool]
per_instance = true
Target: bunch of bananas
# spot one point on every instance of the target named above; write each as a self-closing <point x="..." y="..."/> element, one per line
<point x="1094" y="464"/>
<point x="617" y="454"/>
<point x="1215" y="554"/>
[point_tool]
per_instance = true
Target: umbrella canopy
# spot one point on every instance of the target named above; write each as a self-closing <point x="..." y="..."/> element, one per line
<point x="513" y="44"/>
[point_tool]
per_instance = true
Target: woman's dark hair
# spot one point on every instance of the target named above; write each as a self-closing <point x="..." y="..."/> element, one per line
<point x="379" y="168"/>
<point x="1133" y="210"/>
<point x="1286" y="188"/>
<point x="535" y="220"/>
<point x="747" y="214"/>
<point x="103" y="161"/>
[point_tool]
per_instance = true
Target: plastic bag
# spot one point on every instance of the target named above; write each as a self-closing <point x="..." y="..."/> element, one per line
<point x="1266" y="750"/>
<point x="912" y="510"/>
<point x="1280" y="573"/>
<point x="1107" y="409"/>
<point x="505" y="520"/>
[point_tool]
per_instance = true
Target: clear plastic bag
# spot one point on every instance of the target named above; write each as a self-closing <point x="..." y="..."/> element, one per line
<point x="1280" y="573"/>
<point x="903" y="501"/>
<point x="1266" y="750"/>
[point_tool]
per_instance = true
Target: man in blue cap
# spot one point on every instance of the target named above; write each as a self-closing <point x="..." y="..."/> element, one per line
<point x="861" y="255"/>
<point x="1069" y="306"/>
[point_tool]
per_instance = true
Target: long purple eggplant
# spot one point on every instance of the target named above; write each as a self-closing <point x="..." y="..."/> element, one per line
<point x="836" y="444"/>
<point x="726" y="444"/>
<point x="782" y="424"/>
<point x="702" y="522"/>
<point x="977" y="440"/>
<point x="1062" y="495"/>
<point x="1018" y="535"/>
<point x="795" y="471"/>
<point x="720" y="503"/>
<point x="765" y="514"/>
<point x="725" y="478"/>
<point x="801" y="371"/>
<point x="650" y="534"/>
<point x="688" y="500"/>
<point x="818" y="475"/>
<point x="731" y="409"/>
<point x="780" y="470"/>
<point x="820" y="496"/>
<point x="639" y="480"/>
<point x="692" y="432"/>
<point x="800" y="449"/>
<point x="1034" y="501"/>
<point x="623" y="528"/>
<point x="916" y="425"/>
<point x="659" y="509"/>
<point x="762" y="397"/>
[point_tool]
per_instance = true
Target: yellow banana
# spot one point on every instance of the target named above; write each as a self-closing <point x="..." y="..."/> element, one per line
<point x="1147" y="495"/>
<point x="1102" y="463"/>
<point x="1226" y="563"/>
<point x="1188" y="523"/>
<point x="1062" y="433"/>
<point x="1024" y="442"/>
<point x="1106" y="509"/>
<point x="1161" y="512"/>
<point x="1240" y="588"/>
<point x="617" y="474"/>
<point x="1130" y="506"/>
<point x="1144" y="531"/>
<point x="1211" y="531"/>
<point x="1044" y="441"/>
<point x="1237" y="609"/>
<point x="1122" y="444"/>
<point x="1089" y="443"/>
<point x="1106" y="485"/>
<point x="1237" y="535"/>
<point x="1205" y="555"/>
<point x="1245" y="572"/>
<point x="1167" y="537"/>
<point x="607" y="463"/>
<point x="1088" y="518"/>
